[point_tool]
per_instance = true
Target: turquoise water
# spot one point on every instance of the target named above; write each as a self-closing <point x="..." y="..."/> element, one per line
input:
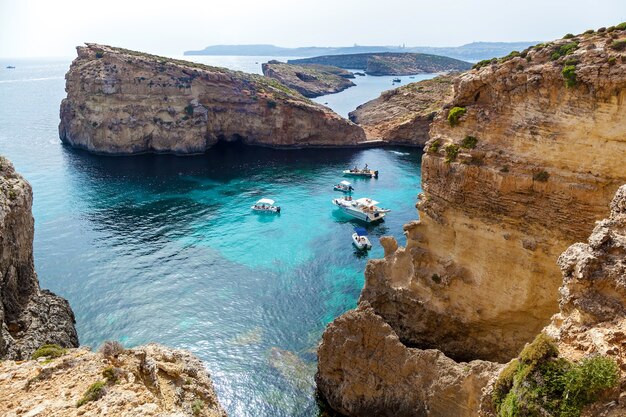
<point x="164" y="248"/>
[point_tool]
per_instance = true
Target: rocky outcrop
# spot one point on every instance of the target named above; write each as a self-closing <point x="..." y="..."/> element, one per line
<point x="151" y="380"/>
<point x="389" y="63"/>
<point x="309" y="80"/>
<point x="125" y="102"/>
<point x="520" y="164"/>
<point x="403" y="116"/>
<point x="29" y="316"/>
<point x="365" y="370"/>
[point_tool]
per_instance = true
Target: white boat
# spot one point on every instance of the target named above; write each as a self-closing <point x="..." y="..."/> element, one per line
<point x="360" y="239"/>
<point x="365" y="172"/>
<point x="344" y="186"/>
<point x="364" y="209"/>
<point x="266" y="205"/>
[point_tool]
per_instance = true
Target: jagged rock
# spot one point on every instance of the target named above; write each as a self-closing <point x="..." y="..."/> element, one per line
<point x="365" y="370"/>
<point x="124" y="102"/>
<point x="403" y="115"/>
<point x="309" y="80"/>
<point x="174" y="384"/>
<point x="29" y="317"/>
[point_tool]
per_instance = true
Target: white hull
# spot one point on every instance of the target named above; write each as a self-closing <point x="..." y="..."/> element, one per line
<point x="357" y="213"/>
<point x="361" y="242"/>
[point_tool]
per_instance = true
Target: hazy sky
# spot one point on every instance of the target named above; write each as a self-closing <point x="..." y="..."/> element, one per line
<point x="55" y="27"/>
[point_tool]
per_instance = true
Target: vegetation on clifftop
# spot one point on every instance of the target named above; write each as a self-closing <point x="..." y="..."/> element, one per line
<point x="539" y="383"/>
<point x="454" y="114"/>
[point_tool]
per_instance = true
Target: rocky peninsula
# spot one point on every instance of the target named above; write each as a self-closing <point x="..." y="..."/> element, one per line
<point x="43" y="372"/>
<point x="520" y="164"/>
<point x="127" y="102"/>
<point x="310" y="80"/>
<point x="389" y="63"/>
<point x="403" y="115"/>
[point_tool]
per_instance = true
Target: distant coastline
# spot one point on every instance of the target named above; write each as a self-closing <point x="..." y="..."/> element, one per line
<point x="474" y="51"/>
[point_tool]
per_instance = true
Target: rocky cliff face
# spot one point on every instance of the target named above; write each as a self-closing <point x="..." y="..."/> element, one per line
<point x="309" y="80"/>
<point x="403" y="115"/>
<point x="123" y="102"/>
<point x="521" y="162"/>
<point x="151" y="380"/>
<point x="29" y="316"/>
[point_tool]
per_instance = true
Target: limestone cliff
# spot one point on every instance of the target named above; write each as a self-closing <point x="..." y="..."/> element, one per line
<point x="151" y="380"/>
<point x="29" y="316"/>
<point x="309" y="80"/>
<point x="520" y="164"/>
<point x="403" y="115"/>
<point x="123" y="102"/>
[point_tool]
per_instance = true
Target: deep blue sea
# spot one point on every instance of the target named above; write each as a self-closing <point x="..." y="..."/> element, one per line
<point x="166" y="249"/>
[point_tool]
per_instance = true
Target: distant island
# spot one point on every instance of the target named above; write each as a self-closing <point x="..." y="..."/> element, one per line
<point x="389" y="63"/>
<point x="474" y="51"/>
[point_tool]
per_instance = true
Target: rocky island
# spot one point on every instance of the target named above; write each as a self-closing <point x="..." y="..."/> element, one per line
<point x="43" y="372"/>
<point x="521" y="162"/>
<point x="403" y="115"/>
<point x="310" y="80"/>
<point x="389" y="63"/>
<point x="126" y="102"/>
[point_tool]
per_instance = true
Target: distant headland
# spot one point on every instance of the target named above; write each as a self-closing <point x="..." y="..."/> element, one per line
<point x="474" y="51"/>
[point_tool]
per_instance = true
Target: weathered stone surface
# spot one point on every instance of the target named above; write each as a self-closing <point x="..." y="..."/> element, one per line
<point x="365" y="370"/>
<point x="152" y="380"/>
<point x="29" y="316"/>
<point x="124" y="102"/>
<point x="309" y="80"/>
<point x="403" y="115"/>
<point x="478" y="275"/>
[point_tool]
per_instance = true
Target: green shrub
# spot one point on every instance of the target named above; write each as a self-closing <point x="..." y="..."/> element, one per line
<point x="434" y="147"/>
<point x="189" y="110"/>
<point x="612" y="60"/>
<point x="469" y="142"/>
<point x="621" y="26"/>
<point x="619" y="45"/>
<point x="48" y="351"/>
<point x="454" y="114"/>
<point x="539" y="383"/>
<point x="112" y="374"/>
<point x="452" y="151"/>
<point x="568" y="36"/>
<point x="610" y="29"/>
<point x="93" y="393"/>
<point x="569" y="73"/>
<point x="271" y="104"/>
<point x="483" y="63"/>
<point x="563" y="50"/>
<point x="601" y="30"/>
<point x="541" y="176"/>
<point x="511" y="55"/>
<point x="589" y="32"/>
<point x="196" y="407"/>
<point x="99" y="54"/>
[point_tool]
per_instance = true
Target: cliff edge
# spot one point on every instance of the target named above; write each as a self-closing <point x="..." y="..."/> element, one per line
<point x="309" y="80"/>
<point x="29" y="316"/>
<point x="125" y="102"/>
<point x="521" y="162"/>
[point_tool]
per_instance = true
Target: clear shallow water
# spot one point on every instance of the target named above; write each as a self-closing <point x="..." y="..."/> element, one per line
<point x="164" y="248"/>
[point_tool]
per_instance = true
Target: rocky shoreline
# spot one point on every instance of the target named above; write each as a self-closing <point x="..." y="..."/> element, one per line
<point x="127" y="102"/>
<point x="309" y="80"/>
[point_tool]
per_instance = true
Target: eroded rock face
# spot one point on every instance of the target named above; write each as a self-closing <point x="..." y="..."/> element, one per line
<point x="309" y="80"/>
<point x="29" y="316"/>
<point x="365" y="370"/>
<point x="124" y="102"/>
<point x="403" y="116"/>
<point x="541" y="162"/>
<point x="151" y="380"/>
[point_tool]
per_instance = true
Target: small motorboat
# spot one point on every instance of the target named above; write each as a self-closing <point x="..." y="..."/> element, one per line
<point x="344" y="187"/>
<point x="266" y="205"/>
<point x="397" y="80"/>
<point x="365" y="172"/>
<point x="10" y="67"/>
<point x="360" y="239"/>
